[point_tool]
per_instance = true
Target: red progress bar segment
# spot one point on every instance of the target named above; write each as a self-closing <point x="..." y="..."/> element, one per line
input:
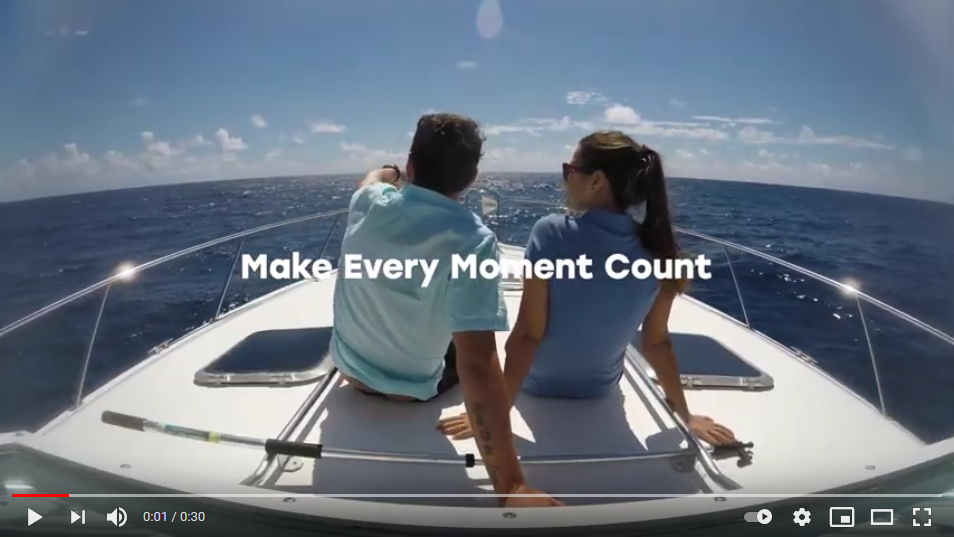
<point x="41" y="495"/>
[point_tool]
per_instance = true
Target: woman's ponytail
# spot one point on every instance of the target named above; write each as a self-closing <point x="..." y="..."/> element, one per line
<point x="638" y="185"/>
<point x="656" y="232"/>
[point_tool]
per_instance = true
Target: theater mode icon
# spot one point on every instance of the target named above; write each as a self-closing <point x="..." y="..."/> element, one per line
<point x="882" y="517"/>
<point x="841" y="517"/>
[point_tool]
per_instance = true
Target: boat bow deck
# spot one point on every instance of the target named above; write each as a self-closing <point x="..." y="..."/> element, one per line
<point x="810" y="434"/>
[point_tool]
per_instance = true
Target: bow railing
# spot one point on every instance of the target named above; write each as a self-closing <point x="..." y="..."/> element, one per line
<point x="493" y="207"/>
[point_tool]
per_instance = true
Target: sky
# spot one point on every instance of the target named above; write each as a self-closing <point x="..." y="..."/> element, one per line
<point x="854" y="95"/>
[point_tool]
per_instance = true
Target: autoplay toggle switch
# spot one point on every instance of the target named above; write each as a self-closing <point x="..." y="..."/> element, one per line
<point x="762" y="517"/>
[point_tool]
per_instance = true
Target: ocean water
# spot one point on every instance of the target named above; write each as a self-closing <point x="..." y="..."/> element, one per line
<point x="897" y="250"/>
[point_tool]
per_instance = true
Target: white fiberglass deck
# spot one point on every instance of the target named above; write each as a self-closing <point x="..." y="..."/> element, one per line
<point x="810" y="434"/>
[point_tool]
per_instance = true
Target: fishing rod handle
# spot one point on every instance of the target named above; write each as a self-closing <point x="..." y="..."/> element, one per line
<point x="124" y="420"/>
<point x="293" y="449"/>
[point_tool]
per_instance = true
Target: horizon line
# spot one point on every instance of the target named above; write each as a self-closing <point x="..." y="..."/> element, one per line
<point x="483" y="175"/>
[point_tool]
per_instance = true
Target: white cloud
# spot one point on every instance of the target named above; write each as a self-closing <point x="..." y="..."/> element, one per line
<point x="912" y="153"/>
<point x="618" y="114"/>
<point x="120" y="161"/>
<point x="584" y="97"/>
<point x="259" y="121"/>
<point x="162" y="148"/>
<point x="362" y="153"/>
<point x="183" y="159"/>
<point x="70" y="162"/>
<point x="466" y="65"/>
<point x="821" y="169"/>
<point x="196" y="141"/>
<point x="536" y="126"/>
<point x="629" y="121"/>
<point x="676" y="103"/>
<point x="652" y="129"/>
<point x="65" y="31"/>
<point x="229" y="143"/>
<point x="139" y="102"/>
<point x="325" y="127"/>
<point x="734" y="121"/>
<point x="807" y="136"/>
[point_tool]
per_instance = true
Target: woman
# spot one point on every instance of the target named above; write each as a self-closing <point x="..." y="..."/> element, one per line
<point x="570" y="335"/>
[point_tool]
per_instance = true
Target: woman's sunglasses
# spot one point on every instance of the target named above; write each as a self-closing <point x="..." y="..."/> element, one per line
<point x="570" y="168"/>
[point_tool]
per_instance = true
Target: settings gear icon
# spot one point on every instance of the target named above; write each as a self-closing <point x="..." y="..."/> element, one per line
<point x="802" y="517"/>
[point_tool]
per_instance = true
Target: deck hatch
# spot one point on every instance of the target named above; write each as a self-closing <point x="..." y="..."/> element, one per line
<point x="271" y="358"/>
<point x="706" y="363"/>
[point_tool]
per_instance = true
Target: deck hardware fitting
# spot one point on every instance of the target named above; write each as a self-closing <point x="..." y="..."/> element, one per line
<point x="294" y="464"/>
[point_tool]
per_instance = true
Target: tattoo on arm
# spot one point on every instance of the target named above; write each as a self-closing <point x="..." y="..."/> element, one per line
<point x="480" y="427"/>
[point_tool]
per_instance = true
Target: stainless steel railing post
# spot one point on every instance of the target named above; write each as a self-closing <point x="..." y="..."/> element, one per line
<point x="871" y="353"/>
<point x="228" y="279"/>
<point x="702" y="455"/>
<point x="89" y="349"/>
<point x="334" y="224"/>
<point x="738" y="290"/>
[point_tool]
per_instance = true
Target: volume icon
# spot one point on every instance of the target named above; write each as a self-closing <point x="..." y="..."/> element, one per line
<point x="117" y="517"/>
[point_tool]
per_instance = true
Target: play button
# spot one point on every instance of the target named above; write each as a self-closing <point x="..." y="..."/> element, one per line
<point x="764" y="516"/>
<point x="32" y="516"/>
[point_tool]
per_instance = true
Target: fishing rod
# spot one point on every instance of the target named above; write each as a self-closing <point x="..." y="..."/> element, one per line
<point x="274" y="447"/>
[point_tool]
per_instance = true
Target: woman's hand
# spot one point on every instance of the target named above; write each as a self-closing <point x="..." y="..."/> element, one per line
<point x="456" y="427"/>
<point x="709" y="431"/>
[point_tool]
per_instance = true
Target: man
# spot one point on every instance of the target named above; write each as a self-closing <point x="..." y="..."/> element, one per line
<point x="391" y="335"/>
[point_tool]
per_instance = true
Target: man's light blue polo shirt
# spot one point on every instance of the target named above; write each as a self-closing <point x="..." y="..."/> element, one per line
<point x="392" y="334"/>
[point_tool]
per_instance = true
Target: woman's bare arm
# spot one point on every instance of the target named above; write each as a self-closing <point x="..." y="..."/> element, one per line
<point x="526" y="335"/>
<point x="657" y="348"/>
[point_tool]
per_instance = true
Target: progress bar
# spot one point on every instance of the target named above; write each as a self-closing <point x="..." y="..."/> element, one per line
<point x="293" y="495"/>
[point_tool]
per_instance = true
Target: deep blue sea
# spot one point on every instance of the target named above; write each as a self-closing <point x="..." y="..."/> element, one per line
<point x="898" y="250"/>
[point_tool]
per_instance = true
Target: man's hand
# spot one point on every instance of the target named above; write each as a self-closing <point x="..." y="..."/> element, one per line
<point x="709" y="431"/>
<point x="456" y="427"/>
<point x="389" y="174"/>
<point x="541" y="499"/>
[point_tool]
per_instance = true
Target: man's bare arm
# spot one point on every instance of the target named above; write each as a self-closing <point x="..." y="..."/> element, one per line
<point x="488" y="407"/>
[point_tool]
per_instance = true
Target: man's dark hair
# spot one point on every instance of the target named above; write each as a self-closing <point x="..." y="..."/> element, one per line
<point x="445" y="152"/>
